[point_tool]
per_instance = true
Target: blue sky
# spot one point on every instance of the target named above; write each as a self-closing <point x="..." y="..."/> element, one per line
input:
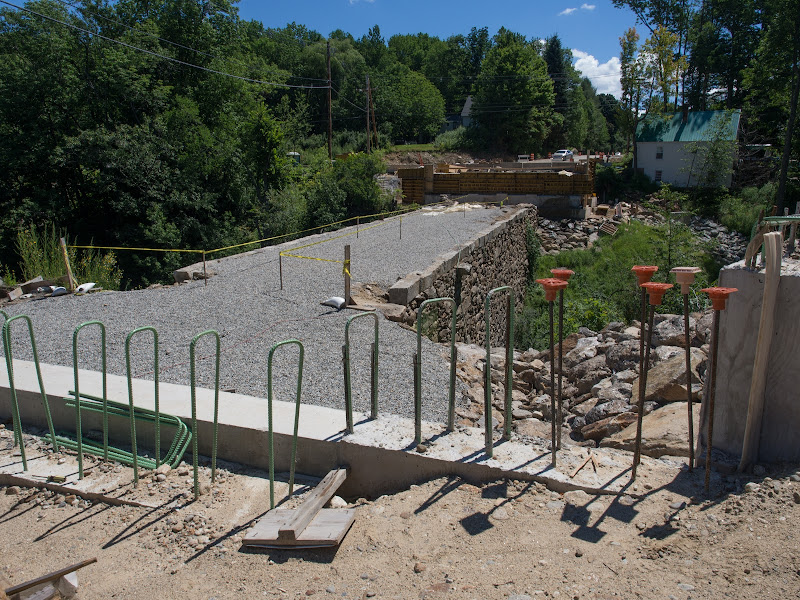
<point x="591" y="29"/>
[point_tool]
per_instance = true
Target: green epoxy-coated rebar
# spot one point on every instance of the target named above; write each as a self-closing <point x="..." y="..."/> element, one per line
<point x="78" y="428"/>
<point x="487" y="386"/>
<point x="296" y="419"/>
<point x="418" y="372"/>
<point x="130" y="399"/>
<point x="348" y="388"/>
<point x="12" y="387"/>
<point x="194" y="408"/>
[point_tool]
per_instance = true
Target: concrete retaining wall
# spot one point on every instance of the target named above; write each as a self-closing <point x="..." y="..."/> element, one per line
<point x="738" y="336"/>
<point x="496" y="257"/>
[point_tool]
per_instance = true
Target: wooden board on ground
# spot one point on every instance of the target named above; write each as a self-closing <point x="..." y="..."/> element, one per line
<point x="309" y="526"/>
<point x="328" y="528"/>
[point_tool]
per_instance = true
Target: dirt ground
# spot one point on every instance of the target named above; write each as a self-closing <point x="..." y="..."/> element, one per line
<point x="445" y="538"/>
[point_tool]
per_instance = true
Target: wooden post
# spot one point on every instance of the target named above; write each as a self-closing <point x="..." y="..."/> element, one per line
<point x="71" y="283"/>
<point x="347" y="299"/>
<point x="280" y="267"/>
<point x="205" y="272"/>
<point x="401" y="228"/>
<point x="766" y="328"/>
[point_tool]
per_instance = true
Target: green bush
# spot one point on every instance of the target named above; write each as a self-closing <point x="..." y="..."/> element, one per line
<point x="451" y="140"/>
<point x="741" y="213"/>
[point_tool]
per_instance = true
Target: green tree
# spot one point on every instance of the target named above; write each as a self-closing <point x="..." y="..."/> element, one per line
<point x="408" y="105"/>
<point x="513" y="104"/>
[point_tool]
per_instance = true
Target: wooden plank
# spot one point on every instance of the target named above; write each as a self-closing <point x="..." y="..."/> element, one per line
<point x="328" y="528"/>
<point x="55" y="575"/>
<point x="312" y="505"/>
<point x="755" y="407"/>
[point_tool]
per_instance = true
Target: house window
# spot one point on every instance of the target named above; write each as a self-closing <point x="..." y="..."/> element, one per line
<point x="659" y="175"/>
<point x="659" y="152"/>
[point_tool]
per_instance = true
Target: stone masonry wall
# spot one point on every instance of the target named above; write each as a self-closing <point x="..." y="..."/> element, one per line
<point x="496" y="257"/>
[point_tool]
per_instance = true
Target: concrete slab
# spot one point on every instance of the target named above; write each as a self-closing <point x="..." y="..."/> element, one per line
<point x="381" y="454"/>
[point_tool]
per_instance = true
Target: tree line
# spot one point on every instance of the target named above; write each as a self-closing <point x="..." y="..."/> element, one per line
<point x="167" y="125"/>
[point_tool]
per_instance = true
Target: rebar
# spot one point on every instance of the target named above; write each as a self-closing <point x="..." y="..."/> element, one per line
<point x="642" y="389"/>
<point x="418" y="369"/>
<point x="560" y="364"/>
<point x="134" y="448"/>
<point x="7" y="348"/>
<point x="348" y="389"/>
<point x="78" y="428"/>
<point x="554" y="435"/>
<point x="193" y="382"/>
<point x="487" y="387"/>
<point x="271" y="435"/>
<point x="689" y="378"/>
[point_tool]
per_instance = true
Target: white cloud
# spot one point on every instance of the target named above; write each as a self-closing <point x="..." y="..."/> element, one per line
<point x="604" y="77"/>
<point x="567" y="11"/>
<point x="585" y="6"/>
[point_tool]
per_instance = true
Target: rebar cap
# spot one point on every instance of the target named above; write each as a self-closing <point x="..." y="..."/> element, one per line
<point x="551" y="285"/>
<point x="719" y="296"/>
<point x="656" y="291"/>
<point x="644" y="272"/>
<point x="685" y="276"/>
<point x="563" y="274"/>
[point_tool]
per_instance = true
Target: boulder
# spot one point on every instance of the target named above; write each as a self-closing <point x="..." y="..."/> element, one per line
<point x="617" y="391"/>
<point x="666" y="382"/>
<point x="664" y="432"/>
<point x="569" y="344"/>
<point x="585" y="349"/>
<point x="607" y="409"/>
<point x="584" y="407"/>
<point x="589" y="372"/>
<point x="622" y="356"/>
<point x="663" y="353"/>
<point x="533" y="428"/>
<point x="609" y="426"/>
<point x="670" y="331"/>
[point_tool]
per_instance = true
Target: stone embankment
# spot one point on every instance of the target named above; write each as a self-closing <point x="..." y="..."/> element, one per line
<point x="555" y="236"/>
<point x="600" y="386"/>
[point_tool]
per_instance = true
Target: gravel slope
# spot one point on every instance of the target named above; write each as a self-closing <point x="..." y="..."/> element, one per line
<point x="245" y="304"/>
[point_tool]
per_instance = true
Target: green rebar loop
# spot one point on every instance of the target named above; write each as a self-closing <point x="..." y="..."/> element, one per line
<point x="78" y="428"/>
<point x="7" y="348"/>
<point x="487" y="387"/>
<point x="194" y="408"/>
<point x="134" y="449"/>
<point x="418" y="369"/>
<point x="296" y="419"/>
<point x="348" y="388"/>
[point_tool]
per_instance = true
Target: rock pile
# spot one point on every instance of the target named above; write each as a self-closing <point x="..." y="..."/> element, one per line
<point x="567" y="234"/>
<point x="600" y="380"/>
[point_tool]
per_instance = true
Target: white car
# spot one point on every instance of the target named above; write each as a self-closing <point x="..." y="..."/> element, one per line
<point x="562" y="155"/>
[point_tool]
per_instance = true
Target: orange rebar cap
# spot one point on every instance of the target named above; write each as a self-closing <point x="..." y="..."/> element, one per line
<point x="644" y="272"/>
<point x="656" y="291"/>
<point x="563" y="274"/>
<point x="719" y="296"/>
<point x="551" y="285"/>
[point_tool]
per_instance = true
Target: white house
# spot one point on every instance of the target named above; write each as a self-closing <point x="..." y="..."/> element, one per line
<point x="678" y="149"/>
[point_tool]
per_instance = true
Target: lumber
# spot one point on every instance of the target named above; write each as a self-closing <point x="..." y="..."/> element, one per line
<point x="755" y="406"/>
<point x="312" y="505"/>
<point x="54" y="576"/>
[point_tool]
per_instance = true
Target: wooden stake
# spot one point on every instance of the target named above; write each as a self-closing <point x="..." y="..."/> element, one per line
<point x="205" y="272"/>
<point x="71" y="283"/>
<point x="766" y="328"/>
<point x="347" y="300"/>
<point x="280" y="267"/>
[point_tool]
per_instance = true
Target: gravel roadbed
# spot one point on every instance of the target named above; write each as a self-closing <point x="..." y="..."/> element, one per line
<point x="244" y="303"/>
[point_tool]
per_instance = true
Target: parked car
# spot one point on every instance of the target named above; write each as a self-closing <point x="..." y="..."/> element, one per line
<point x="562" y="155"/>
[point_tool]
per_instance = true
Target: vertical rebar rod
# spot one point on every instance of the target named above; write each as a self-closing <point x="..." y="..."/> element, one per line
<point x="509" y="363"/>
<point x="637" y="452"/>
<point x="553" y="416"/>
<point x="78" y="425"/>
<point x="348" y="390"/>
<point x="205" y="272"/>
<point x="560" y="364"/>
<point x="688" y="377"/>
<point x="373" y="413"/>
<point x="346" y="269"/>
<point x="417" y="399"/>
<point x="401" y="228"/>
<point x="711" y="393"/>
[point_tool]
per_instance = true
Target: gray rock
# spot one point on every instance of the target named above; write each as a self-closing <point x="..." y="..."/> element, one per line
<point x="666" y="381"/>
<point x="622" y="356"/>
<point x="619" y="391"/>
<point x="607" y="409"/>
<point x="663" y="353"/>
<point x="585" y="349"/>
<point x="670" y="331"/>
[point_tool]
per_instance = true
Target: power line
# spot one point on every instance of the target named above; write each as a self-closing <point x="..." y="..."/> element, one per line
<point x="162" y="56"/>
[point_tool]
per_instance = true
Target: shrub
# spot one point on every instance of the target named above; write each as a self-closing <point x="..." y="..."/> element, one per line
<point x="741" y="213"/>
<point x="449" y="141"/>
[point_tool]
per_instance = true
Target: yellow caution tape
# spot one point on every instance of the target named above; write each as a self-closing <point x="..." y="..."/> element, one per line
<point x="139" y="249"/>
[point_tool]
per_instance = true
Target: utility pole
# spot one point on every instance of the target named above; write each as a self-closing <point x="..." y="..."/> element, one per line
<point x="369" y="133"/>
<point x="330" y="106"/>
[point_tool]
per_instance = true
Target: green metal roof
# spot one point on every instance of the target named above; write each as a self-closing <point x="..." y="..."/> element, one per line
<point x="699" y="126"/>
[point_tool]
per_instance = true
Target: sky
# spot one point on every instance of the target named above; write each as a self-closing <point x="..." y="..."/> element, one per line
<point x="591" y="29"/>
